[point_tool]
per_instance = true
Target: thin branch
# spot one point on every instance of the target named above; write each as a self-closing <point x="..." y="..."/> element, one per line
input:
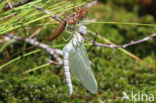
<point x="93" y="44"/>
<point x="52" y="51"/>
<point x="47" y="12"/>
<point x="53" y="62"/>
<point x="89" y="5"/>
<point x="124" y="45"/>
<point x="6" y="7"/>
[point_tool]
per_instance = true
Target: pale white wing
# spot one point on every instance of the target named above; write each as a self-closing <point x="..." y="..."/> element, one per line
<point x="80" y="68"/>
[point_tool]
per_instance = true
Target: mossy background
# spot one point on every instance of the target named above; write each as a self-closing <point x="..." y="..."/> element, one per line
<point x="114" y="70"/>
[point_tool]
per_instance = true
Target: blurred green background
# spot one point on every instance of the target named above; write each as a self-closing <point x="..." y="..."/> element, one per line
<point x="114" y="70"/>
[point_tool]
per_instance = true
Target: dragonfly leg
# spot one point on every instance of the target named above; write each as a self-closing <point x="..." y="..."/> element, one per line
<point x="68" y="32"/>
<point x="69" y="36"/>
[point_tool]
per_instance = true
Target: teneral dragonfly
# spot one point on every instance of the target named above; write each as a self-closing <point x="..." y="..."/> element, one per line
<point x="76" y="60"/>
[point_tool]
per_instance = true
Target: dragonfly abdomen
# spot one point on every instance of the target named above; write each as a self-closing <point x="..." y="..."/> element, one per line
<point x="67" y="72"/>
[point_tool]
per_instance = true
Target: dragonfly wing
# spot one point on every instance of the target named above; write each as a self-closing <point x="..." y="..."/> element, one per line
<point x="80" y="68"/>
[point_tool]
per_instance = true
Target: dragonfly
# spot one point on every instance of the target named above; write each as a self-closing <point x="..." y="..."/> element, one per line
<point x="76" y="60"/>
<point x="75" y="55"/>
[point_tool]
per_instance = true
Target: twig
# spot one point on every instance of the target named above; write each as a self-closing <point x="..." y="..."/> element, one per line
<point x="91" y="4"/>
<point x="8" y="56"/>
<point x="6" y="7"/>
<point x="52" y="51"/>
<point x="53" y="62"/>
<point x="93" y="44"/>
<point x="121" y="46"/>
<point x="47" y="12"/>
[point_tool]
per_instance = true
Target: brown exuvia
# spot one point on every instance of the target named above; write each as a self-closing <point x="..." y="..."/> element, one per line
<point x="70" y="19"/>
